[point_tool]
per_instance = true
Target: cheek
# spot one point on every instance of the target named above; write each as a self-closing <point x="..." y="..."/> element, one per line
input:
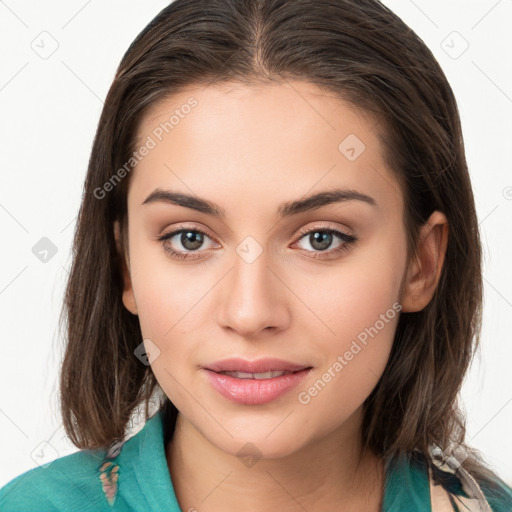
<point x="167" y="304"/>
<point x="351" y="296"/>
<point x="356" y="355"/>
<point x="359" y="308"/>
<point x="174" y="306"/>
<point x="364" y="315"/>
<point x="157" y="288"/>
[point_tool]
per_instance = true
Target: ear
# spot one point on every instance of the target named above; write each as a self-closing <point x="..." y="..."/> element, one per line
<point x="128" y="295"/>
<point x="423" y="273"/>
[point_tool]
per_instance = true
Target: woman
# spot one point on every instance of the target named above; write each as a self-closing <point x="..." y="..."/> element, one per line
<point x="277" y="236"/>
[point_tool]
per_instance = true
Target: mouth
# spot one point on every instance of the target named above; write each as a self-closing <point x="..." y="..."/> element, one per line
<point x="255" y="387"/>
<point x="256" y="376"/>
<point x="260" y="368"/>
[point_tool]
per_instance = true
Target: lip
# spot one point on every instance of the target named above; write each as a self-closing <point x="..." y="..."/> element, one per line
<point x="255" y="391"/>
<point x="258" y="366"/>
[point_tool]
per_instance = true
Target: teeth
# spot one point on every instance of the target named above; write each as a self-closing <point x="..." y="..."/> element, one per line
<point x="259" y="376"/>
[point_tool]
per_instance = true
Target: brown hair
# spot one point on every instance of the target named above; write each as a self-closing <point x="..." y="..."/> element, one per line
<point x="366" y="55"/>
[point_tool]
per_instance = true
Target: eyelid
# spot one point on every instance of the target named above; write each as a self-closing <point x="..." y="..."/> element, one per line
<point x="325" y="226"/>
<point x="184" y="227"/>
<point x="302" y="231"/>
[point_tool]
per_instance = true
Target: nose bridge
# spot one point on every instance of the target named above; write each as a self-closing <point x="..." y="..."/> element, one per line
<point x="252" y="300"/>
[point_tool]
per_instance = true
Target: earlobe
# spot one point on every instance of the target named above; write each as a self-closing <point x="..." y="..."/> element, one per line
<point x="424" y="273"/>
<point x="128" y="295"/>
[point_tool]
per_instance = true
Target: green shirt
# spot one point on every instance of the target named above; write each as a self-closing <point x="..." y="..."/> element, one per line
<point x="74" y="482"/>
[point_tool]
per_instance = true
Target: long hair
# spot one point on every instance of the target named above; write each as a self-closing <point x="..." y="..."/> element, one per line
<point x="367" y="56"/>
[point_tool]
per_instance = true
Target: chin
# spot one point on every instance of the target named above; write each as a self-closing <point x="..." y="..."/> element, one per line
<point x="260" y="448"/>
<point x="258" y="442"/>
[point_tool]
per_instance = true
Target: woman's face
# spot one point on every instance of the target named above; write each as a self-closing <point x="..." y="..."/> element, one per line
<point x="266" y="273"/>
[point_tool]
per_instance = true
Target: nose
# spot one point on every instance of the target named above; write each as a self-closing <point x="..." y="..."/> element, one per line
<point x="253" y="299"/>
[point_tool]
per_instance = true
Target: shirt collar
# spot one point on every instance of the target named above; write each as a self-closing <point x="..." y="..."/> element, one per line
<point x="407" y="485"/>
<point x="145" y="456"/>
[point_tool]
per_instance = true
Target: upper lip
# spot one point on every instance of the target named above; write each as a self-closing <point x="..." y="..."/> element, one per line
<point x="257" y="366"/>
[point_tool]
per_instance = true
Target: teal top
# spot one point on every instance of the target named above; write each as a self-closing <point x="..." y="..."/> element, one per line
<point x="137" y="478"/>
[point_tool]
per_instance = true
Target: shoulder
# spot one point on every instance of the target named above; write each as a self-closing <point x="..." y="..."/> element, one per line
<point x="69" y="483"/>
<point x="131" y="475"/>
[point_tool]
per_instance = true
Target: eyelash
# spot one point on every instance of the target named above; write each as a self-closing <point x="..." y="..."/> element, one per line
<point x="347" y="240"/>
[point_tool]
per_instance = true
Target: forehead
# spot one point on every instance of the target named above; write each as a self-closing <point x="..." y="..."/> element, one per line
<point x="273" y="140"/>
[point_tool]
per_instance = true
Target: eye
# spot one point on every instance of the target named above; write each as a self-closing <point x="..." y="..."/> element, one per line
<point x="321" y="238"/>
<point x="190" y="239"/>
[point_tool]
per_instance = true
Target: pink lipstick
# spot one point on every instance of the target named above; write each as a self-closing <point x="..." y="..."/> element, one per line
<point x="255" y="382"/>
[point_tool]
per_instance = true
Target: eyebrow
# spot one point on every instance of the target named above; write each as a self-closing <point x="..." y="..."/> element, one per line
<point x="286" y="209"/>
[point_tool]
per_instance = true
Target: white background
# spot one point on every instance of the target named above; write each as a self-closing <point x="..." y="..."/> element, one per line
<point x="49" y="112"/>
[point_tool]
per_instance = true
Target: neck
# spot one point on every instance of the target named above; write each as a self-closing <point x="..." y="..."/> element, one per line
<point x="331" y="473"/>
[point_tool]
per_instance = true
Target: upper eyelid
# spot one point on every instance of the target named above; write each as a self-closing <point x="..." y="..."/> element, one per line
<point x="174" y="231"/>
<point x="301" y="232"/>
<point x="325" y="227"/>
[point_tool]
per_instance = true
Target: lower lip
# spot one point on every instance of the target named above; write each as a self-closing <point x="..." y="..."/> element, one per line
<point x="255" y="391"/>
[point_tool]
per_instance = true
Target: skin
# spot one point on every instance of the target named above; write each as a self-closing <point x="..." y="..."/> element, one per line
<point x="285" y="304"/>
